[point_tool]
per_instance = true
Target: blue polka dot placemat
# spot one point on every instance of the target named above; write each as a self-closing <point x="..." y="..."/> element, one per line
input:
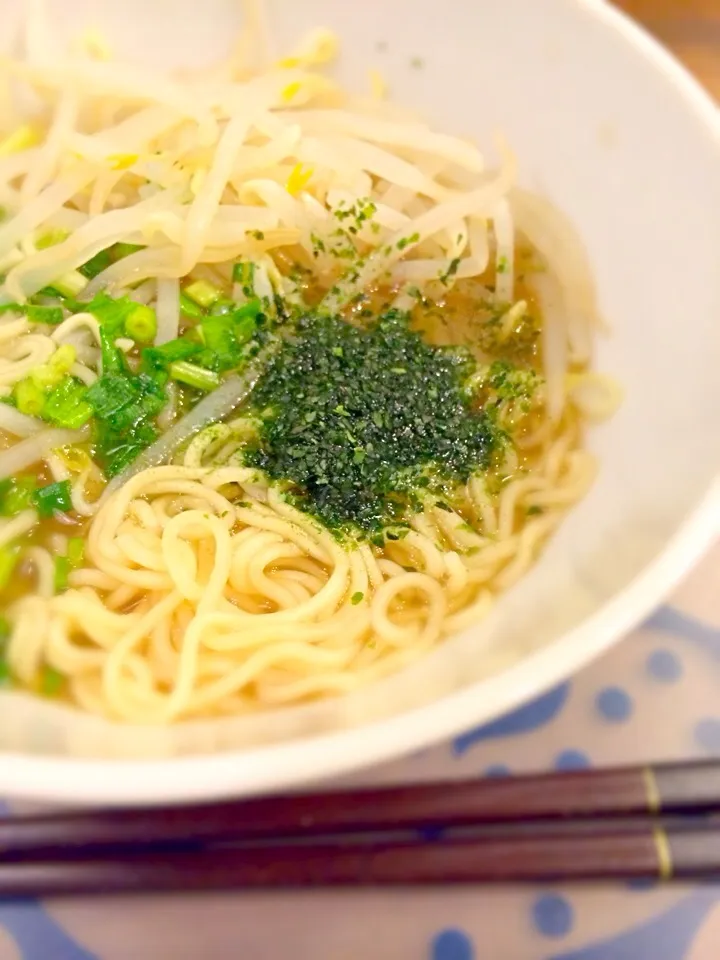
<point x="654" y="697"/>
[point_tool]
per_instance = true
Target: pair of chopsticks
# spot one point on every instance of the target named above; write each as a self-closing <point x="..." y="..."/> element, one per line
<point x="633" y="823"/>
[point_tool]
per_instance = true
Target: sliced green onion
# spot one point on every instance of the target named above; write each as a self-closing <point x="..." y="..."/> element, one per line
<point x="113" y="360"/>
<point x="76" y="551"/>
<point x="63" y="359"/>
<point x="179" y="349"/>
<point x="121" y="250"/>
<point x="64" y="565"/>
<point x="56" y="369"/>
<point x="202" y="292"/>
<point x="141" y="324"/>
<point x="110" y="311"/>
<point x="51" y="682"/>
<point x="70" y="284"/>
<point x="194" y="376"/>
<point x="50" y="315"/>
<point x="244" y="274"/>
<point x="62" y="571"/>
<point x="17" y="497"/>
<point x="222" y="307"/>
<point x="250" y="309"/>
<point x="189" y="308"/>
<point x="52" y="238"/>
<point x="122" y="456"/>
<point x="29" y="397"/>
<point x="110" y="393"/>
<point x="8" y="560"/>
<point x="67" y="404"/>
<point x="218" y="334"/>
<point x="95" y="265"/>
<point x="55" y="497"/>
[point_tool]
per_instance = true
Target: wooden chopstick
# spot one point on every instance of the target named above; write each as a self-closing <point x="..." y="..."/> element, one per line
<point x="688" y="788"/>
<point x="592" y="825"/>
<point x="689" y="854"/>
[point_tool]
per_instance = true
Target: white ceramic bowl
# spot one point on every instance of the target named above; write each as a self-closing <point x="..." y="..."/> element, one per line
<point x="615" y="133"/>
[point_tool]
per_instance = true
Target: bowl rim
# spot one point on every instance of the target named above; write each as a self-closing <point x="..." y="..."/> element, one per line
<point x="298" y="762"/>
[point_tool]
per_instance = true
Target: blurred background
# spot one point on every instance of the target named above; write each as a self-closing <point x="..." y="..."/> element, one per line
<point x="691" y="28"/>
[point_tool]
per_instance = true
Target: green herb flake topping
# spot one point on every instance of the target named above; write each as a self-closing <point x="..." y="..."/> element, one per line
<point x="355" y="439"/>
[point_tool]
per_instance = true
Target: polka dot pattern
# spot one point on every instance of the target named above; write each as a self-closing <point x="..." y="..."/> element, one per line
<point x="452" y="945"/>
<point x="640" y="885"/>
<point x="496" y="770"/>
<point x="707" y="734"/>
<point x="664" y="666"/>
<point x="572" y="760"/>
<point x="552" y="915"/>
<point x="614" y="705"/>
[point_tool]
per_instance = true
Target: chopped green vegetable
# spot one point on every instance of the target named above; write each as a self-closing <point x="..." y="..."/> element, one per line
<point x="509" y="382"/>
<point x="222" y="307"/>
<point x="95" y="265"/>
<point x="110" y="393"/>
<point x="189" y="308"/>
<point x="67" y="404"/>
<point x="110" y="311"/>
<point x="124" y="405"/>
<point x="247" y="318"/>
<point x="118" y="316"/>
<point x="335" y="421"/>
<point x="51" y="682"/>
<point x="8" y="560"/>
<point x="70" y="284"/>
<point x="356" y="598"/>
<point x="62" y="360"/>
<point x="194" y="376"/>
<point x="141" y="324"/>
<point x="156" y="359"/>
<point x="244" y="274"/>
<point x="64" y="565"/>
<point x="51" y="238"/>
<point x="5" y="631"/>
<point x="56" y="369"/>
<point x="54" y="497"/>
<point x="50" y="315"/>
<point x="122" y="400"/>
<point x="122" y="250"/>
<point x="29" y="397"/>
<point x="16" y="495"/>
<point x="406" y="241"/>
<point x="62" y="571"/>
<point x="202" y="292"/>
<point x="218" y="334"/>
<point x="76" y="551"/>
<point x="113" y="359"/>
<point x="117" y="450"/>
<point x="450" y="272"/>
